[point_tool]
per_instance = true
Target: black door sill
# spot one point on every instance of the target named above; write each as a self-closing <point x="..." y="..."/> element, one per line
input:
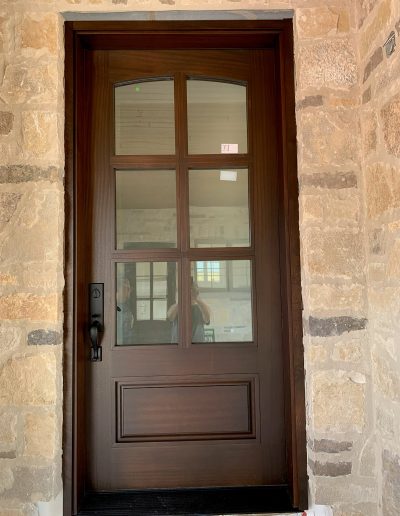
<point x="189" y="502"/>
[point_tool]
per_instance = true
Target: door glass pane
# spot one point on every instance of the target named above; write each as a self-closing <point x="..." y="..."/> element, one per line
<point x="221" y="301"/>
<point x="146" y="209"/>
<point x="217" y="117"/>
<point x="144" y="118"/>
<point x="219" y="208"/>
<point x="144" y="292"/>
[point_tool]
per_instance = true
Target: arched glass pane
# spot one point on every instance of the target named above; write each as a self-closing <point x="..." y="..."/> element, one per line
<point x="217" y="117"/>
<point x="144" y="118"/>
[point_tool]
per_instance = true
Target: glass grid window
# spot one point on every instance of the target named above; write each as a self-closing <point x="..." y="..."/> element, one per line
<point x="211" y="274"/>
<point x="226" y="275"/>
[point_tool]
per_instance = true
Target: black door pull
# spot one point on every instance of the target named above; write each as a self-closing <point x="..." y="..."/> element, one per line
<point x="96" y="351"/>
<point x="96" y="320"/>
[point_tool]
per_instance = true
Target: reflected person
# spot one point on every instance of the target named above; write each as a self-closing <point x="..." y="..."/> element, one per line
<point x="125" y="319"/>
<point x="200" y="316"/>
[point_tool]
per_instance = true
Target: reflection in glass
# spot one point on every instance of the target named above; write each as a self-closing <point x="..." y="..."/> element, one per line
<point x="224" y="287"/>
<point x="219" y="208"/>
<point x="146" y="209"/>
<point x="144" y="118"/>
<point x="217" y="117"/>
<point x="144" y="291"/>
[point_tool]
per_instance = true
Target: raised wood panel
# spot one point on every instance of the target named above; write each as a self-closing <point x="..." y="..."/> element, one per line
<point x="186" y="410"/>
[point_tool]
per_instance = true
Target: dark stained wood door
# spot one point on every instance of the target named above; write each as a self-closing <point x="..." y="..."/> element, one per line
<point x="184" y="408"/>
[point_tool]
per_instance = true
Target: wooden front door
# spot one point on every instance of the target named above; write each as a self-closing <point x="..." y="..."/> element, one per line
<point x="180" y="218"/>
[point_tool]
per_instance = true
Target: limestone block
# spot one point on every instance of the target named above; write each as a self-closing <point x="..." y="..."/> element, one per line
<point x="328" y="138"/>
<point x="310" y="101"/>
<point x="329" y="180"/>
<point x="391" y="483"/>
<point x="29" y="380"/>
<point x="327" y="64"/>
<point x="346" y="492"/>
<point x="40" y="32"/>
<point x="30" y="307"/>
<point x="312" y="208"/>
<point x="390" y="116"/>
<point x="374" y="61"/>
<point x="376" y="241"/>
<point x="379" y="22"/>
<point x="385" y="423"/>
<point x="385" y="318"/>
<point x="333" y="253"/>
<point x="2" y="32"/>
<point x="347" y="351"/>
<point x="369" y="132"/>
<point x="317" y="354"/>
<point x="40" y="134"/>
<point x="387" y="379"/>
<point x="40" y="435"/>
<point x="331" y="326"/>
<point x="6" y="477"/>
<point x="330" y="469"/>
<point x="367" y="462"/>
<point x="336" y="297"/>
<point x="37" y="229"/>
<point x="364" y="7"/>
<point x="25" y="173"/>
<point x="44" y="337"/>
<point x="30" y="81"/>
<point x="43" y="275"/>
<point x="8" y="429"/>
<point x="346" y="100"/>
<point x="8" y="204"/>
<point x="6" y="122"/>
<point x="7" y="279"/>
<point x="31" y="484"/>
<point x="330" y="446"/>
<point x="10" y="339"/>
<point x="376" y="272"/>
<point x="341" y="208"/>
<point x="338" y="403"/>
<point x="14" y="512"/>
<point x="393" y="264"/>
<point x="359" y="509"/>
<point x="321" y="21"/>
<point x="383" y="189"/>
<point x="366" y="97"/>
<point x="333" y="208"/>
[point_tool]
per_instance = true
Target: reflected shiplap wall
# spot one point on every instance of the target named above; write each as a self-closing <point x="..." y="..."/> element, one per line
<point x="348" y="120"/>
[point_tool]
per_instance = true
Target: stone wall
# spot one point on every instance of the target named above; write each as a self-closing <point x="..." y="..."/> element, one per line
<point x="380" y="116"/>
<point x="348" y="119"/>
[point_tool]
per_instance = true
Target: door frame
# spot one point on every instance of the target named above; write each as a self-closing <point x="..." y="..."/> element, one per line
<point x="278" y="35"/>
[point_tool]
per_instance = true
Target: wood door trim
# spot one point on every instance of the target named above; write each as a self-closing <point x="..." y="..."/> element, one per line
<point x="232" y="34"/>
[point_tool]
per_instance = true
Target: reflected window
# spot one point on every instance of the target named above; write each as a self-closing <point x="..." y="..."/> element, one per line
<point x="144" y="291"/>
<point x="222" y="307"/>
